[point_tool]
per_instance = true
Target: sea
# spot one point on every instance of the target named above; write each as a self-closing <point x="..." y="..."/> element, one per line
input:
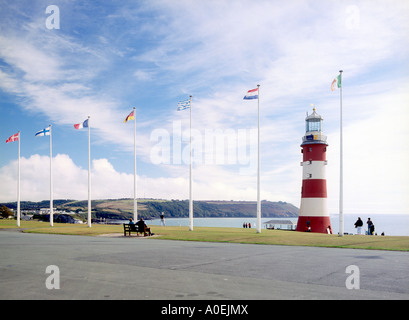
<point x="389" y="224"/>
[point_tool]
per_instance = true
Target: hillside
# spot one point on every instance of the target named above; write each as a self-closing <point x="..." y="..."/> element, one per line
<point x="151" y="208"/>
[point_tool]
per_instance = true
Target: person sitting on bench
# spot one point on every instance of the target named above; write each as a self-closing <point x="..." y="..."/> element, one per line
<point x="143" y="228"/>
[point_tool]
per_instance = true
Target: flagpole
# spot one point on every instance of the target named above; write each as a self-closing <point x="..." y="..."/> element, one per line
<point x="190" y="173"/>
<point x="18" y="181"/>
<point x="89" y="173"/>
<point x="51" y="180"/>
<point x="135" y="204"/>
<point x="341" y="169"/>
<point x="258" y="164"/>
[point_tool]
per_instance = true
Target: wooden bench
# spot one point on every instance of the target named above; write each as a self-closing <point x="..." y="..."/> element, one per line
<point x="134" y="228"/>
<point x="130" y="228"/>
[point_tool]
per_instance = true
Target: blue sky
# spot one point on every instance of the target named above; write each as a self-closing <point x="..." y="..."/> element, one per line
<point x="109" y="56"/>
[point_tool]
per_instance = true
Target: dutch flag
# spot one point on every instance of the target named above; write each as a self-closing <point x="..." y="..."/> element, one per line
<point x="251" y="94"/>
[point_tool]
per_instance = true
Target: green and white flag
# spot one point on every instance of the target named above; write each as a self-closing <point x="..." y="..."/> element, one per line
<point x="336" y="80"/>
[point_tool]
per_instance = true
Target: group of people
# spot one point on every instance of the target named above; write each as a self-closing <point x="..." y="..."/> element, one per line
<point x="141" y="226"/>
<point x="371" y="227"/>
<point x="358" y="225"/>
<point x="246" y="225"/>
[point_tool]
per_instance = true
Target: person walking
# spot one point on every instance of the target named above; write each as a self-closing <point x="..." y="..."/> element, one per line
<point x="162" y="220"/>
<point x="358" y="225"/>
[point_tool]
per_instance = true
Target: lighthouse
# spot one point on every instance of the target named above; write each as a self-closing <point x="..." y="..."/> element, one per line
<point x="313" y="214"/>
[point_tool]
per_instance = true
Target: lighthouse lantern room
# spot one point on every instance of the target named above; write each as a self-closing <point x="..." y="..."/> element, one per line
<point x="313" y="215"/>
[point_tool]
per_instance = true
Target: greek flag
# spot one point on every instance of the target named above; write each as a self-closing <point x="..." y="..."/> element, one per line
<point x="182" y="105"/>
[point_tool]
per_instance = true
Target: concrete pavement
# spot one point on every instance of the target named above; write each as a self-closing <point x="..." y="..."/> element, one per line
<point x="151" y="269"/>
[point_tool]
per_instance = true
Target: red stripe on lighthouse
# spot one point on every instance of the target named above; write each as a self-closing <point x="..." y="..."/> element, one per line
<point x="314" y="188"/>
<point x="316" y="224"/>
<point x="314" y="152"/>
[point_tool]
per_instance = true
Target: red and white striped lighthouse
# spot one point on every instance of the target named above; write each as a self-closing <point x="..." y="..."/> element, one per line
<point x="313" y="214"/>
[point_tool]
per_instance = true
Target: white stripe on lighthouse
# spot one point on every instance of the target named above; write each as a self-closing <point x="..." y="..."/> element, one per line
<point x="314" y="207"/>
<point x="314" y="169"/>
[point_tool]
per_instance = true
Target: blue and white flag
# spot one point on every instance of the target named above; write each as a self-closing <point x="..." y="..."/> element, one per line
<point x="182" y="105"/>
<point x="44" y="132"/>
<point x="251" y="94"/>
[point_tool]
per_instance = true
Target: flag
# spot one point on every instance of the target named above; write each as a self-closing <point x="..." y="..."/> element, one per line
<point x="81" y="125"/>
<point x="336" y="80"/>
<point x="130" y="116"/>
<point x="44" y="132"/>
<point x="182" y="105"/>
<point x="14" y="137"/>
<point x="251" y="94"/>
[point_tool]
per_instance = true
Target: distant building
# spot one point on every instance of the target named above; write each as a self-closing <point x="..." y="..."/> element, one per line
<point x="47" y="210"/>
<point x="280" y="224"/>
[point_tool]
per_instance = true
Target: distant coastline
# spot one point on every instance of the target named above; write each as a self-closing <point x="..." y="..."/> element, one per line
<point x="121" y="209"/>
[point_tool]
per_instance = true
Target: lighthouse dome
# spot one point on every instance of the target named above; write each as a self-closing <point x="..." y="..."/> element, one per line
<point x="314" y="115"/>
<point x="313" y="129"/>
<point x="313" y="122"/>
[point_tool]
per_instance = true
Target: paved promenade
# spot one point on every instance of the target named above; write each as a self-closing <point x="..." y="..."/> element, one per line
<point x="131" y="268"/>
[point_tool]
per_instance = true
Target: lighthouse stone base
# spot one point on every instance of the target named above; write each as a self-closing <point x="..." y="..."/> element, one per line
<point x="314" y="224"/>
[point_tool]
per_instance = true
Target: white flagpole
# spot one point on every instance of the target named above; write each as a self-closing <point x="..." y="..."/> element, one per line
<point x="258" y="166"/>
<point x="190" y="174"/>
<point x="89" y="173"/>
<point x="341" y="169"/>
<point x="18" y="181"/>
<point x="51" y="181"/>
<point x="135" y="203"/>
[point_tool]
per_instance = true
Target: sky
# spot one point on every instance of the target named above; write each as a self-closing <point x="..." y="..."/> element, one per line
<point x="62" y="61"/>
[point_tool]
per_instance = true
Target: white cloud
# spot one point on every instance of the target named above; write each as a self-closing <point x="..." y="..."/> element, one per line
<point x="69" y="180"/>
<point x="142" y="75"/>
<point x="35" y="179"/>
<point x="35" y="64"/>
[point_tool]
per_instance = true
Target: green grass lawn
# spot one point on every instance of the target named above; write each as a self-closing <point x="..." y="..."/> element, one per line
<point x="232" y="235"/>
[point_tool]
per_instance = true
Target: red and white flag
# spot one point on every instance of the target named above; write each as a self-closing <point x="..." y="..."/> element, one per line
<point x="14" y="137"/>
